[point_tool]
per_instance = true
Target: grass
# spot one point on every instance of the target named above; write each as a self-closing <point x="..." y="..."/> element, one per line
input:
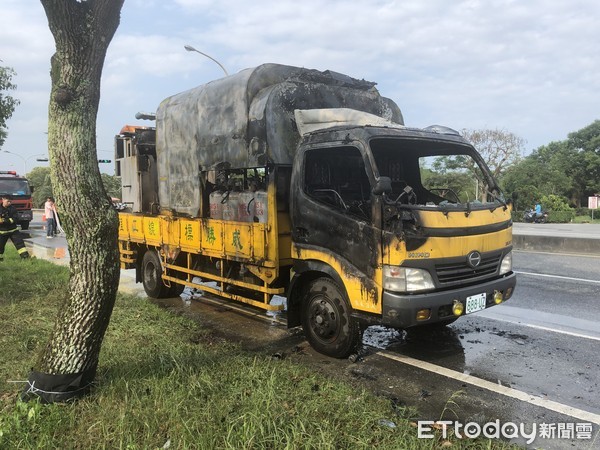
<point x="588" y="219"/>
<point x="164" y="383"/>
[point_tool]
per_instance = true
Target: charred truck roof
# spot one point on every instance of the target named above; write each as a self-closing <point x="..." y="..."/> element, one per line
<point x="247" y="120"/>
<point x="367" y="131"/>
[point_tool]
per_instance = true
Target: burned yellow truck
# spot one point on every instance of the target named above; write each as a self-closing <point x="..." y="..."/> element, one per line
<point x="281" y="182"/>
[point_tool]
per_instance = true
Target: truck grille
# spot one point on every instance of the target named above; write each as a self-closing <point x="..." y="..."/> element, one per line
<point x="460" y="271"/>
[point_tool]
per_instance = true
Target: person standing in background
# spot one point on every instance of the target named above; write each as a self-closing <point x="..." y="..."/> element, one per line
<point x="50" y="212"/>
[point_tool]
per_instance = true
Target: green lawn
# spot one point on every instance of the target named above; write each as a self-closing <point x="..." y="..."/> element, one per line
<point x="588" y="219"/>
<point x="165" y="383"/>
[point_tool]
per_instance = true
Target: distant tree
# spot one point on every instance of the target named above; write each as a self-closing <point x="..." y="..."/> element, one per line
<point x="498" y="148"/>
<point x="569" y="168"/>
<point x="585" y="144"/>
<point x="112" y="184"/>
<point x="39" y="178"/>
<point x="7" y="103"/>
<point x="562" y="168"/>
<point x="587" y="139"/>
<point x="82" y="31"/>
<point x="544" y="172"/>
<point x="517" y="184"/>
<point x="441" y="177"/>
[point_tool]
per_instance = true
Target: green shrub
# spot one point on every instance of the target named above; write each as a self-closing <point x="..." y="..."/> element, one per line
<point x="588" y="212"/>
<point x="561" y="216"/>
<point x="553" y="216"/>
<point x="553" y="202"/>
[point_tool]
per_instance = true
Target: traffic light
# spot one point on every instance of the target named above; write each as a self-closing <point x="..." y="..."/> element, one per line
<point x="104" y="160"/>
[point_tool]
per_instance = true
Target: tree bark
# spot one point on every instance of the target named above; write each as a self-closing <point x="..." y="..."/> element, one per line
<point x="82" y="31"/>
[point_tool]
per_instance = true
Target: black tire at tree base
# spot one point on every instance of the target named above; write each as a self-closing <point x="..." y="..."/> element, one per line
<point x="326" y="320"/>
<point x="152" y="276"/>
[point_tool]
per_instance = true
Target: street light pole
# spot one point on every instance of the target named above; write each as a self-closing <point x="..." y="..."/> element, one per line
<point x="25" y="160"/>
<point x="37" y="158"/>
<point x="189" y="48"/>
<point x="20" y="156"/>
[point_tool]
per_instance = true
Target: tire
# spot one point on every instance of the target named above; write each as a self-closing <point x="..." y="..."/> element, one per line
<point x="326" y="319"/>
<point x="24" y="225"/>
<point x="152" y="276"/>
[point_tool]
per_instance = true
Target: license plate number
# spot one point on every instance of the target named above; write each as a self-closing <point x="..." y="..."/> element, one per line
<point x="475" y="303"/>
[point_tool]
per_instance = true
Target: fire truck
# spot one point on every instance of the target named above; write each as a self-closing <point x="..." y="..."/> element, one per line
<point x="18" y="188"/>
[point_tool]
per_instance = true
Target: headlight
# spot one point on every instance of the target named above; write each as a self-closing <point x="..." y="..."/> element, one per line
<point x="506" y="265"/>
<point x="406" y="279"/>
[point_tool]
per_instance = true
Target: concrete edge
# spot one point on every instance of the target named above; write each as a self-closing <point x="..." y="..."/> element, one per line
<point x="557" y="244"/>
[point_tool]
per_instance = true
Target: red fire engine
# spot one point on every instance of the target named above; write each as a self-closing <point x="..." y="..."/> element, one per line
<point x="20" y="191"/>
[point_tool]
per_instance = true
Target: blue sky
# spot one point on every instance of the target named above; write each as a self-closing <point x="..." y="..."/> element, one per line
<point x="529" y="67"/>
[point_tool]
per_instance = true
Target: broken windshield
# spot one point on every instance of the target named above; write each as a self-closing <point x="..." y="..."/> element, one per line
<point x="430" y="173"/>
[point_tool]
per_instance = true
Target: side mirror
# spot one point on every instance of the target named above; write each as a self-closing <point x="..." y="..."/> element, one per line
<point x="383" y="186"/>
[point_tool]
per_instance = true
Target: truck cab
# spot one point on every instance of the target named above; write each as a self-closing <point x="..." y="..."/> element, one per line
<point x="407" y="224"/>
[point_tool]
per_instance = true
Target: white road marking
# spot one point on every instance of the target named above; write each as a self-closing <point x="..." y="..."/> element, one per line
<point x="496" y="388"/>
<point x="556" y="323"/>
<point x="558" y="276"/>
<point x="540" y="327"/>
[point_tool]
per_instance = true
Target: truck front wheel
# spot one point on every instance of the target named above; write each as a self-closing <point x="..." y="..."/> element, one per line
<point x="152" y="276"/>
<point x="326" y="319"/>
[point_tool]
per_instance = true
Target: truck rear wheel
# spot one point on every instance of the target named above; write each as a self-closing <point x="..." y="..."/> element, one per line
<point x="152" y="276"/>
<point x="326" y="319"/>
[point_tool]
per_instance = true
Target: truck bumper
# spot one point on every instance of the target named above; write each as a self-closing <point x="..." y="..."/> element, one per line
<point x="24" y="216"/>
<point x="400" y="311"/>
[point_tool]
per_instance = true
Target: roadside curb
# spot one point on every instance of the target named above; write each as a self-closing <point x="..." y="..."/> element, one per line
<point x="56" y="255"/>
<point x="60" y="255"/>
<point x="556" y="244"/>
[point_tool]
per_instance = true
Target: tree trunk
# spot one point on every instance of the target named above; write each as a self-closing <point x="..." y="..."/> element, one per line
<point x="82" y="31"/>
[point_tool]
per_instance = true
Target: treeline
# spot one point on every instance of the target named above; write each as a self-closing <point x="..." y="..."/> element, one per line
<point x="561" y="175"/>
<point x="39" y="178"/>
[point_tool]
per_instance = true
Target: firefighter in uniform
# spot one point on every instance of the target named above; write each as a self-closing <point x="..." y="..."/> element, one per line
<point x="8" y="228"/>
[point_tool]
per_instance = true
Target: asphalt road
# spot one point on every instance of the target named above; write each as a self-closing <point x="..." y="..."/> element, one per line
<point x="532" y="360"/>
<point x="574" y="230"/>
<point x="543" y="342"/>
